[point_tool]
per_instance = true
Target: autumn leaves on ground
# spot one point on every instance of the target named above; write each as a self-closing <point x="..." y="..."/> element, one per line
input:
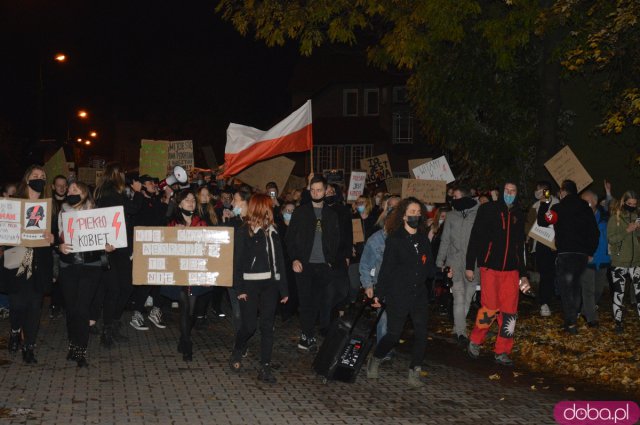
<point x="594" y="357"/>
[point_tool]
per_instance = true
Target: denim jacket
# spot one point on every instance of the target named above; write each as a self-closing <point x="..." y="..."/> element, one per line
<point x="371" y="259"/>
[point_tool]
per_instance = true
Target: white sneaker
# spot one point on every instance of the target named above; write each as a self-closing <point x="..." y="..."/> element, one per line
<point x="545" y="311"/>
<point x="155" y="317"/>
<point x="137" y="321"/>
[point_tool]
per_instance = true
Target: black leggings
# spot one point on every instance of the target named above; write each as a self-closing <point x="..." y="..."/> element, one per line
<point x="79" y="284"/>
<point x="25" y="307"/>
<point x="262" y="295"/>
<point x="117" y="285"/>
<point x="189" y="304"/>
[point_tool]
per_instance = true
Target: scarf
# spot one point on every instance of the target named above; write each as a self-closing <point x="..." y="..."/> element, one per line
<point x="26" y="264"/>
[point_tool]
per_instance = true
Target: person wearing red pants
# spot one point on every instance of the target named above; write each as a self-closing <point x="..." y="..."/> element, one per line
<point x="496" y="247"/>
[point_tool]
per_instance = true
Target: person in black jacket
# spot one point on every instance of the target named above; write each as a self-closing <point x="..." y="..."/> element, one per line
<point x="259" y="275"/>
<point x="407" y="263"/>
<point x="313" y="239"/>
<point x="496" y="246"/>
<point x="27" y="284"/>
<point x="577" y="237"/>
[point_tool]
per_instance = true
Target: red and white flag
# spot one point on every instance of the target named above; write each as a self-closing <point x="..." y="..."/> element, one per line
<point x="248" y="145"/>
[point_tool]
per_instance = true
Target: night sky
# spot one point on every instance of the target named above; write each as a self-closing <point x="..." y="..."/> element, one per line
<point x="175" y="63"/>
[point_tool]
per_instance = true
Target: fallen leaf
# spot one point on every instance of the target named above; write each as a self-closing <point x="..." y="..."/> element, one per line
<point x="570" y="389"/>
<point x="516" y="374"/>
<point x="424" y="373"/>
<point x="494" y="377"/>
<point x="533" y="388"/>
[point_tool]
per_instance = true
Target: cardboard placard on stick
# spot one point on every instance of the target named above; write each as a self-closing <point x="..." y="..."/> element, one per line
<point x="358" y="231"/>
<point x="24" y="222"/>
<point x="356" y="185"/>
<point x="377" y="168"/>
<point x="544" y="235"/>
<point x="565" y="166"/>
<point x="429" y="191"/>
<point x="153" y="158"/>
<point x="394" y="185"/>
<point x="437" y="169"/>
<point x="414" y="163"/>
<point x="194" y="256"/>
<point x="91" y="230"/>
<point x="276" y="170"/>
<point x="180" y="153"/>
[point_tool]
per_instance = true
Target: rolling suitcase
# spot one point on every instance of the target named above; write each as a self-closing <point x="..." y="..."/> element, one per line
<point x="349" y="340"/>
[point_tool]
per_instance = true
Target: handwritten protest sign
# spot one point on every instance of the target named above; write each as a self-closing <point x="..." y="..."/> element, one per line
<point x="180" y="153"/>
<point x="197" y="256"/>
<point x="437" y="169"/>
<point x="565" y="166"/>
<point x="414" y="163"/>
<point x="356" y="185"/>
<point x="91" y="230"/>
<point x="378" y="168"/>
<point x="430" y="191"/>
<point x="24" y="222"/>
<point x="276" y="170"/>
<point x="394" y="185"/>
<point x="544" y="235"/>
<point x="153" y="158"/>
<point x="358" y="231"/>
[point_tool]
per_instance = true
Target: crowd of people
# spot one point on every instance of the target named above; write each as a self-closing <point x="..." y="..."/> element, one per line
<point x="294" y="253"/>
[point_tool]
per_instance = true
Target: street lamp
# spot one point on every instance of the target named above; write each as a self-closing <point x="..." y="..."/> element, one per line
<point x="79" y="140"/>
<point x="60" y="57"/>
<point x="87" y="142"/>
<point x="93" y="134"/>
<point x="83" y="114"/>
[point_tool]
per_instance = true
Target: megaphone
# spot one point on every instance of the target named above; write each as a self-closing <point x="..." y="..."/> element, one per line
<point x="179" y="175"/>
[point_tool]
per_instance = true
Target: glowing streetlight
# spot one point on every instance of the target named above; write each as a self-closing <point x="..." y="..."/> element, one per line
<point x="93" y="134"/>
<point x="79" y="140"/>
<point x="87" y="142"/>
<point x="60" y="57"/>
<point x="83" y="114"/>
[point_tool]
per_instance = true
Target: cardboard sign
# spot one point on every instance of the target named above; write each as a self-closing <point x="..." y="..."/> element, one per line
<point x="565" y="166"/>
<point x="193" y="256"/>
<point x="87" y="175"/>
<point x="153" y="158"/>
<point x="180" y="153"/>
<point x="358" y="232"/>
<point x="295" y="183"/>
<point x="356" y="185"/>
<point x="276" y="170"/>
<point x="210" y="157"/>
<point x="429" y="191"/>
<point x="56" y="165"/>
<point x="377" y="168"/>
<point x="438" y="169"/>
<point x="544" y="235"/>
<point x="414" y="163"/>
<point x="91" y="230"/>
<point x="394" y="185"/>
<point x="334" y="176"/>
<point x="24" y="222"/>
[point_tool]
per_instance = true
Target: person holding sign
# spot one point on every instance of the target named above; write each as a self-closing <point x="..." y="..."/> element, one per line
<point x="26" y="285"/>
<point x="407" y="263"/>
<point x="259" y="276"/>
<point x="80" y="274"/>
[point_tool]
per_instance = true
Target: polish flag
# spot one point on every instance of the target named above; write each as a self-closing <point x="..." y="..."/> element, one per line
<point x="248" y="145"/>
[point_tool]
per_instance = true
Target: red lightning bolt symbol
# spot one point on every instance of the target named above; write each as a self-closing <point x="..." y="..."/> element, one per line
<point x="116" y="223"/>
<point x="34" y="214"/>
<point x="70" y="227"/>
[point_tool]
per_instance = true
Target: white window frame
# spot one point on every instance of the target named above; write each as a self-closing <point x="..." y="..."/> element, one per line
<point x="402" y="136"/>
<point x="344" y="157"/>
<point x="366" y="102"/>
<point x="345" y="93"/>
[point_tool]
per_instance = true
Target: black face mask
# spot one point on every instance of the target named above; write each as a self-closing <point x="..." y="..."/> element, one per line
<point x="331" y="199"/>
<point x="317" y="201"/>
<point x="73" y="199"/>
<point x="414" y="221"/>
<point x="186" y="213"/>
<point x="630" y="208"/>
<point x="463" y="203"/>
<point x="37" y="185"/>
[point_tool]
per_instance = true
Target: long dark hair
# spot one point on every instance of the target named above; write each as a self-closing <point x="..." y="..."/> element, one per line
<point x="177" y="216"/>
<point x="395" y="221"/>
<point x="22" y="191"/>
<point x="112" y="176"/>
<point x="208" y="211"/>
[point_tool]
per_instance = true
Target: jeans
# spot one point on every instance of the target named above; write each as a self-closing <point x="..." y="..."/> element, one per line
<point x="592" y="283"/>
<point x="381" y="329"/>
<point x="569" y="269"/>
<point x="313" y="285"/>
<point x="262" y="295"/>
<point x="79" y="284"/>
<point x="463" y="292"/>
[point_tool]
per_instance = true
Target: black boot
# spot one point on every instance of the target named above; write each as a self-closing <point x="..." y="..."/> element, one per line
<point x="117" y="334"/>
<point x="187" y="351"/>
<point x="71" y="354"/>
<point x="266" y="375"/>
<point x="81" y="356"/>
<point x="106" y="339"/>
<point x="14" y="341"/>
<point x="27" y="354"/>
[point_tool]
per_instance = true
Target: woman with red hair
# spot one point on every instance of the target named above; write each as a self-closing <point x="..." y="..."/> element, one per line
<point x="259" y="275"/>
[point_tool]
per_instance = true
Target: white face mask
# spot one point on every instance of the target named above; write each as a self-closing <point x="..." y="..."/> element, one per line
<point x="429" y="208"/>
<point x="440" y="222"/>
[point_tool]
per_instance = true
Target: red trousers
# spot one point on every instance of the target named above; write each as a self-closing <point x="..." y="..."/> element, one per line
<point x="499" y="299"/>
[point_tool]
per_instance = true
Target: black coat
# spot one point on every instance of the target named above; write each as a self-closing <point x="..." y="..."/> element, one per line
<point x="407" y="263"/>
<point x="41" y="276"/>
<point x="302" y="230"/>
<point x="497" y="238"/>
<point x="576" y="228"/>
<point x="110" y="197"/>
